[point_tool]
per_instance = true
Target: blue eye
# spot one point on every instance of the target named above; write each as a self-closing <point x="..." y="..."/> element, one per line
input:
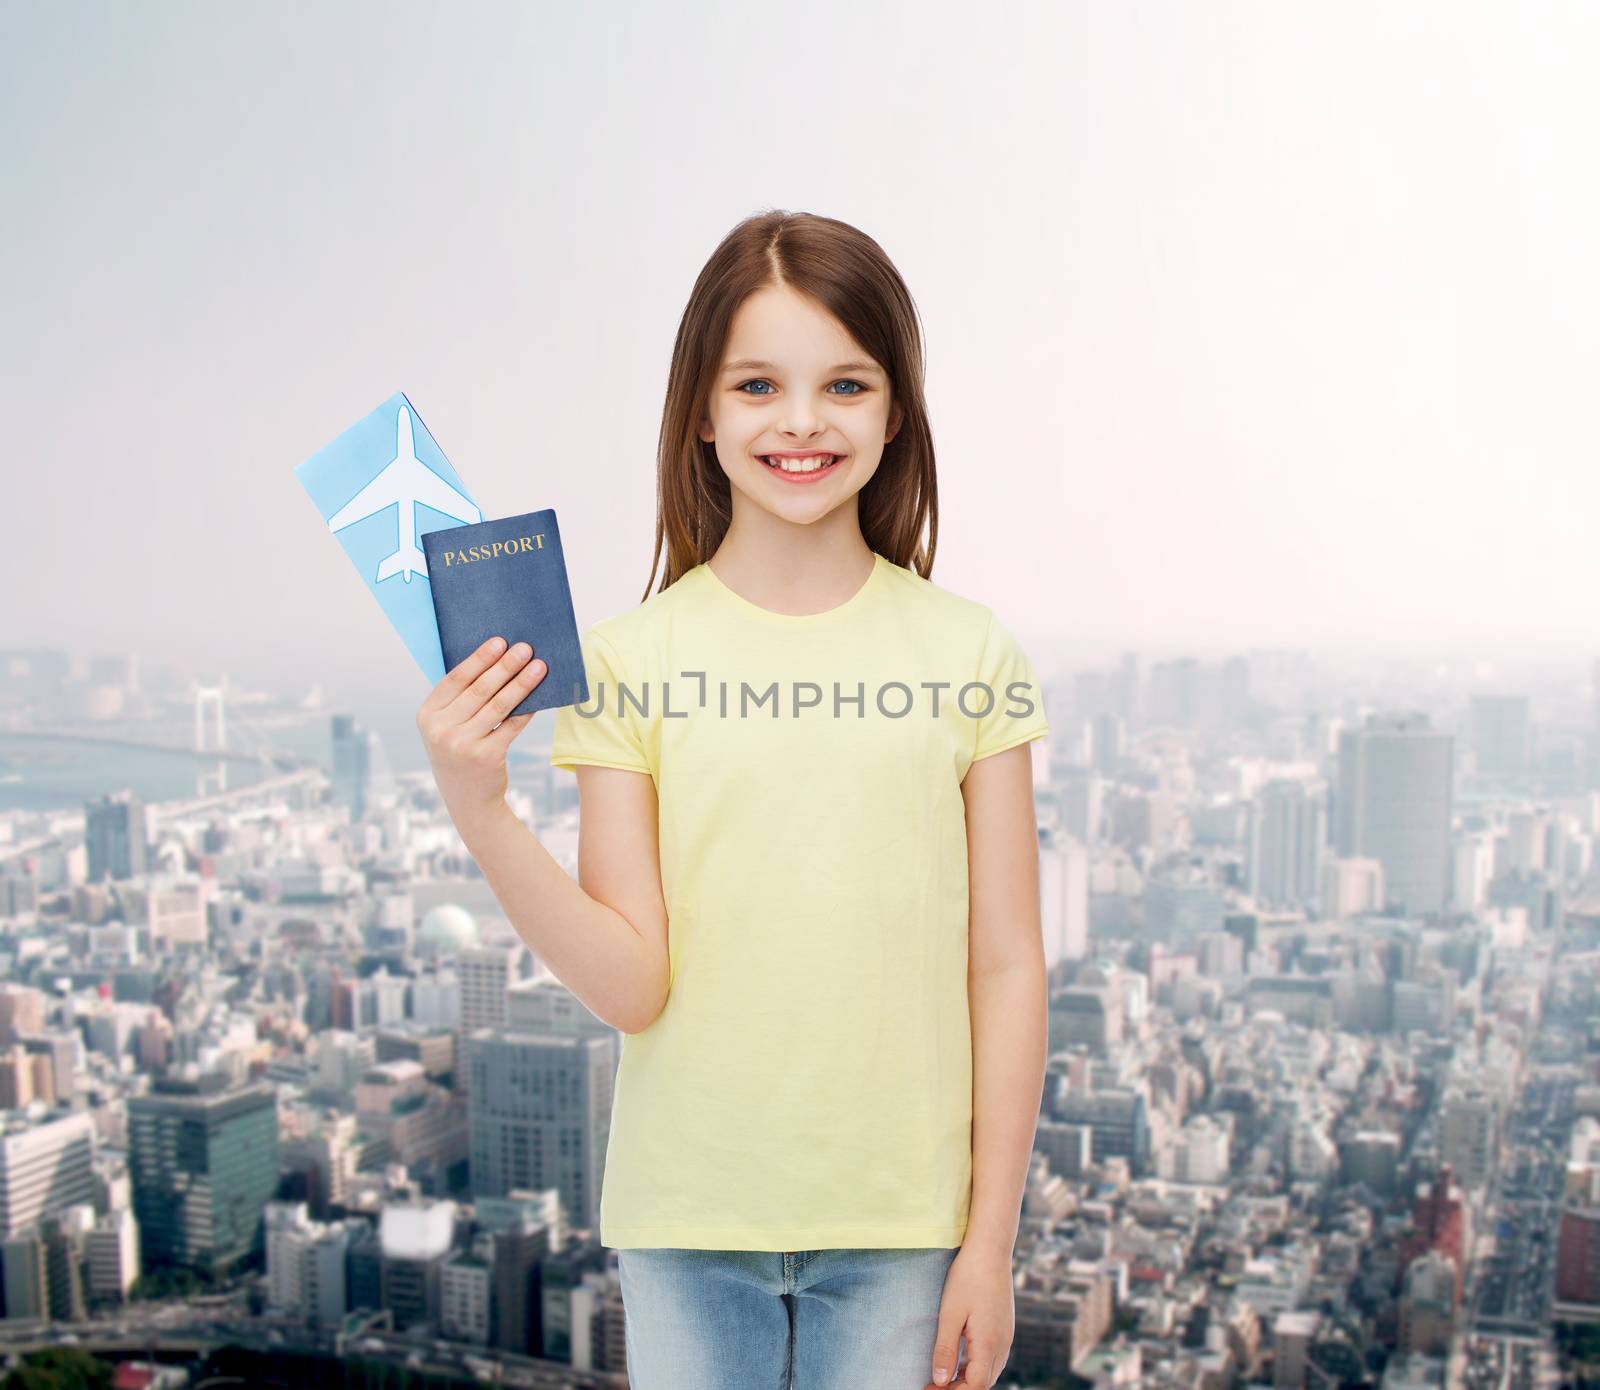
<point x="762" y="381"/>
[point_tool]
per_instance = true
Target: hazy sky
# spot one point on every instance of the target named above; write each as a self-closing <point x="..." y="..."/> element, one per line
<point x="1267" y="323"/>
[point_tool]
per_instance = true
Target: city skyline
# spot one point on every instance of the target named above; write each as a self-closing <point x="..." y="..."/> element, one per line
<point x="1260" y="345"/>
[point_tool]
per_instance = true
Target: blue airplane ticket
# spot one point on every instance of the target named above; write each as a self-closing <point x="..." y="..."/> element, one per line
<point x="380" y="486"/>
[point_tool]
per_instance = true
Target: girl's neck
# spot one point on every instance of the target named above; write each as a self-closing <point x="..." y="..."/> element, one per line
<point x="797" y="575"/>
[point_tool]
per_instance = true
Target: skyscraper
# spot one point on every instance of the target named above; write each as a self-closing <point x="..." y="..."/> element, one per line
<point x="359" y="768"/>
<point x="115" y="836"/>
<point x="204" y="1163"/>
<point x="1287" y="831"/>
<point x="1394" y="804"/>
<point x="539" y="1114"/>
<point x="45" y="1167"/>
<point x="487" y="974"/>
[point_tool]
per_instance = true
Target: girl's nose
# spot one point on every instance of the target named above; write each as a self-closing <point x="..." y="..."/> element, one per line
<point x="802" y="425"/>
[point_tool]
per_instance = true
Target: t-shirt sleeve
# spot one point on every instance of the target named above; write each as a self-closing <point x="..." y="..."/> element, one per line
<point x="1016" y="713"/>
<point x="605" y="731"/>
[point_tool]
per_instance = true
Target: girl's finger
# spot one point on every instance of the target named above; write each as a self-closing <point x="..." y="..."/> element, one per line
<point x="510" y="727"/>
<point x="463" y="675"/>
<point x="498" y="691"/>
<point x="979" y="1361"/>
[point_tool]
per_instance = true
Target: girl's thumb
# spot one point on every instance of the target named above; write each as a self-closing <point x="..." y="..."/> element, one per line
<point x="946" y="1348"/>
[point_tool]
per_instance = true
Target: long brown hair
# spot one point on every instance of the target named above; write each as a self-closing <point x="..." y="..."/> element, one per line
<point x="849" y="275"/>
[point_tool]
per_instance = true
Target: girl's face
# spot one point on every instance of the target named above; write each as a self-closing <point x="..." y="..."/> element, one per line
<point x="793" y="381"/>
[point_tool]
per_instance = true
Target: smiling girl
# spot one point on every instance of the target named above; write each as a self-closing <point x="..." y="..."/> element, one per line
<point x="807" y="887"/>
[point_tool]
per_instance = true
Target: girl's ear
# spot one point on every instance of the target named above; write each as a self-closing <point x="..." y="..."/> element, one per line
<point x="895" y="417"/>
<point x="707" y="434"/>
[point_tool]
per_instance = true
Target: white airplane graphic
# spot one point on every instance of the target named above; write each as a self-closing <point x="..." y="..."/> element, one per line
<point x="405" y="480"/>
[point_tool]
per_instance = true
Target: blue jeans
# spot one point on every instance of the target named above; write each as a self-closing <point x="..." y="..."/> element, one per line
<point x="767" y="1320"/>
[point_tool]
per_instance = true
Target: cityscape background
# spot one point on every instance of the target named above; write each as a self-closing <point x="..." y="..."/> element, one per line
<point x="1261" y="348"/>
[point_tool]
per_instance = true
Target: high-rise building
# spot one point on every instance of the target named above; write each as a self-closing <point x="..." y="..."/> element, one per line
<point x="1064" y="897"/>
<point x="1106" y="738"/>
<point x="1472" y="871"/>
<point x="115" y="837"/>
<point x="21" y="1013"/>
<point x="1441" y="1223"/>
<point x="1063" y="1311"/>
<point x="340" y="1057"/>
<point x="539" y="1116"/>
<point x="1201" y="1152"/>
<point x="364" y="1266"/>
<point x="46" y="1166"/>
<point x="1371" y="1157"/>
<point x="281" y="1223"/>
<point x="435" y="1000"/>
<point x="354" y="755"/>
<point x="1118" y="1124"/>
<point x="306" y="1263"/>
<point x="204" y="1163"/>
<point x="113" y="1256"/>
<point x="19" y="894"/>
<point x="1088" y="1016"/>
<point x="324" y="1280"/>
<point x="417" y="1240"/>
<point x="423" y="1124"/>
<point x="1470" y="1136"/>
<point x="1080" y="798"/>
<point x="1288" y="828"/>
<point x="26" y="1275"/>
<point x="1536" y="891"/>
<point x="486" y="974"/>
<point x="66" y="1255"/>
<point x="526" y="1228"/>
<point x="1578" y="1255"/>
<point x="173" y="908"/>
<point x="1529" y="833"/>
<point x="1351" y="887"/>
<point x="16" y="1079"/>
<point x="466" y="1293"/>
<point x="1428" y="1305"/>
<point x="1293" y="1332"/>
<point x="326" y="1155"/>
<point x="1394" y="805"/>
<point x="57" y="1055"/>
<point x="1426" y="1004"/>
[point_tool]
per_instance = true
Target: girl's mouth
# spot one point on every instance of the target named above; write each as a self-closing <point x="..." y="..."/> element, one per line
<point x="800" y="470"/>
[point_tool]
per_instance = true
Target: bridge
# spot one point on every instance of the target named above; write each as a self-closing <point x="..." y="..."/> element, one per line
<point x="284" y="762"/>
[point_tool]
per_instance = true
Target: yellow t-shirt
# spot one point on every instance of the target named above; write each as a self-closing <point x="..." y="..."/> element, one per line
<point x="808" y="1083"/>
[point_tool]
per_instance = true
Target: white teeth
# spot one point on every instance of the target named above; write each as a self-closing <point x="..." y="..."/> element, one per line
<point x="809" y="465"/>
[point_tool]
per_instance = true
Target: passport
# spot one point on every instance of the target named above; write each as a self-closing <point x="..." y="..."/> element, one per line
<point x="509" y="578"/>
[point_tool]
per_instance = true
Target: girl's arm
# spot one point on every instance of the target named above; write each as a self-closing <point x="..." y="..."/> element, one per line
<point x="1006" y="988"/>
<point x="1007" y="991"/>
<point x="604" y="936"/>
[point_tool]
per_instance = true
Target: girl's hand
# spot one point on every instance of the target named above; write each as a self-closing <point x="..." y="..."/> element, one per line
<point x="465" y="729"/>
<point x="979" y="1303"/>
